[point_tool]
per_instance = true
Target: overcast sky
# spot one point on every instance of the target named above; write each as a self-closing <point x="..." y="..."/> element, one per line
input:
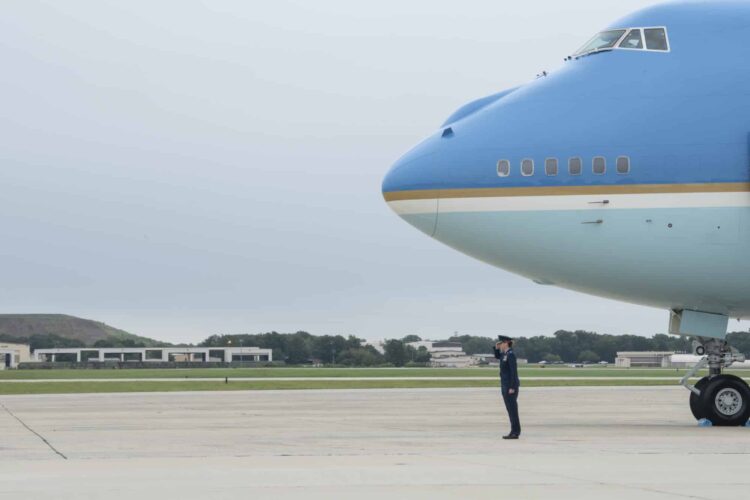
<point x="184" y="168"/>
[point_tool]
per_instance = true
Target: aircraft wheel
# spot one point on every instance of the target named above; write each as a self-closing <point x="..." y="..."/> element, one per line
<point x="726" y="399"/>
<point x="696" y="403"/>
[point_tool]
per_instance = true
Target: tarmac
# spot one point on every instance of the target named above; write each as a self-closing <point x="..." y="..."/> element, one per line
<point x="577" y="442"/>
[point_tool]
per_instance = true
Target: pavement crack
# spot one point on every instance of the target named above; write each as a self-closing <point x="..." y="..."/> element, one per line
<point x="44" y="440"/>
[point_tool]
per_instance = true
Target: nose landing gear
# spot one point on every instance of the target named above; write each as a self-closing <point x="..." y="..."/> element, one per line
<point x="721" y="398"/>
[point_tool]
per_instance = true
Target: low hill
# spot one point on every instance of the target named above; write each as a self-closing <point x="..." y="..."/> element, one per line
<point x="21" y="327"/>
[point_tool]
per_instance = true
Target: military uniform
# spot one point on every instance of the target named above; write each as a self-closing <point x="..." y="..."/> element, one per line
<point x="509" y="380"/>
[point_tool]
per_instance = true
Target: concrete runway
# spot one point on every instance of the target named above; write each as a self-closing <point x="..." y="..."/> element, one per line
<point x="577" y="442"/>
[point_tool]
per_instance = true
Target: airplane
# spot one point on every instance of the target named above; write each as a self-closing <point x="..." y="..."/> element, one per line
<point x="623" y="174"/>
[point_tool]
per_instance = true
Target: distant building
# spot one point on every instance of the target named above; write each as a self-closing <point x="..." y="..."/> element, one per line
<point x="12" y="354"/>
<point x="154" y="354"/>
<point x="490" y="359"/>
<point x="486" y="359"/>
<point x="446" y="354"/>
<point x="662" y="359"/>
<point x="644" y="359"/>
<point x="690" y="360"/>
<point x="378" y="345"/>
<point x="683" y="360"/>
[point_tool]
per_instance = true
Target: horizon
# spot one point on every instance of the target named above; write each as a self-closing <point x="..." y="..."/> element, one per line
<point x="346" y="335"/>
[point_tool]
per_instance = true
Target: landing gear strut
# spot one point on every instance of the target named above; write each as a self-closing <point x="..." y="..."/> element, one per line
<point x="721" y="398"/>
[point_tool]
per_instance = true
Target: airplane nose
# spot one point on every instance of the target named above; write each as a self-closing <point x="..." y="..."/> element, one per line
<point x="406" y="190"/>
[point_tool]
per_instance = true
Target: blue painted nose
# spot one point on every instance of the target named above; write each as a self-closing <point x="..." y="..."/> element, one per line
<point x="407" y="190"/>
<point x="421" y="167"/>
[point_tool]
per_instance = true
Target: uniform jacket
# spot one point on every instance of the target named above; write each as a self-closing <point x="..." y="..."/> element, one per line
<point x="508" y="369"/>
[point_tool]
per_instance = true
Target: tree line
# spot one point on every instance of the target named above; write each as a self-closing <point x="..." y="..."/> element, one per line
<point x="304" y="348"/>
<point x="562" y="346"/>
<point x="583" y="346"/>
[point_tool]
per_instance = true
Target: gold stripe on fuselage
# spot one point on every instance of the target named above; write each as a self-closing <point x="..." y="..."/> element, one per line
<point x="428" y="194"/>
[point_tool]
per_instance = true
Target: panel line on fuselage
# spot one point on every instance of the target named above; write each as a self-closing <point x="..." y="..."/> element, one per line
<point x="599" y="189"/>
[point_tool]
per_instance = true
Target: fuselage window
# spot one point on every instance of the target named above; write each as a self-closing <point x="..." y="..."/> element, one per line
<point x="656" y="39"/>
<point x="574" y="166"/>
<point x="527" y="167"/>
<point x="632" y="40"/>
<point x="599" y="164"/>
<point x="550" y="166"/>
<point x="503" y="168"/>
<point x="623" y="165"/>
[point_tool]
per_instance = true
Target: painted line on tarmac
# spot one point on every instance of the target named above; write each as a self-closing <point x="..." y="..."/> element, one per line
<point x="322" y="379"/>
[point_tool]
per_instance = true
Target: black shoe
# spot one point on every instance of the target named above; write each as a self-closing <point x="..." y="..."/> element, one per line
<point x="511" y="436"/>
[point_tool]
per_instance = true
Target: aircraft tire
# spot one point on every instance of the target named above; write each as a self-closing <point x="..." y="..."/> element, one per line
<point x="696" y="403"/>
<point x="726" y="399"/>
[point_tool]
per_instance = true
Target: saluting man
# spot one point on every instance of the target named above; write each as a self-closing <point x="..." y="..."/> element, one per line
<point x="509" y="382"/>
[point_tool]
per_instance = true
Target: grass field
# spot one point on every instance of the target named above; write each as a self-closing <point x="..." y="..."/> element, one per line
<point x="331" y="372"/>
<point x="219" y="385"/>
<point x="54" y="381"/>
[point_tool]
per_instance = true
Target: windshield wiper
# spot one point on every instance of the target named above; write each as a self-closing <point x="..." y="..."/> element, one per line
<point x="588" y="53"/>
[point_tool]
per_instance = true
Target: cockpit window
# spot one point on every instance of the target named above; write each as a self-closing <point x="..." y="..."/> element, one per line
<point x="646" y="39"/>
<point x="656" y="39"/>
<point x="602" y="41"/>
<point x="632" y="40"/>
